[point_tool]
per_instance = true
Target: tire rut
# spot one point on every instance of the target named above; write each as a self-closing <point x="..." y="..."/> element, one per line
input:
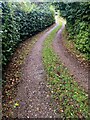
<point x="33" y="93"/>
<point x="79" y="72"/>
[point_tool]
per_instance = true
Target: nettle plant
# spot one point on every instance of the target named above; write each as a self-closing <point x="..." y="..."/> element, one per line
<point x="20" y="21"/>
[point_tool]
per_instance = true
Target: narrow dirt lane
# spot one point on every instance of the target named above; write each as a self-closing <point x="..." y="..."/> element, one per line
<point x="79" y="73"/>
<point x="33" y="93"/>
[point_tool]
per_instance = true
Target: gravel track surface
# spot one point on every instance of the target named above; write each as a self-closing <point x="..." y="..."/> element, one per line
<point x="33" y="93"/>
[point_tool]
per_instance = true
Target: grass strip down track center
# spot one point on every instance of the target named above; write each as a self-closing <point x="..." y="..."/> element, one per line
<point x="72" y="100"/>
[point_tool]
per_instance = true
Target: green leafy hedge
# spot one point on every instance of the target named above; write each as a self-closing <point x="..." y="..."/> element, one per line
<point x="78" y="18"/>
<point x="19" y="23"/>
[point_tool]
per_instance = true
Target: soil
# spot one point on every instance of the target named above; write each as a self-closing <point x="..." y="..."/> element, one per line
<point x="76" y="69"/>
<point x="33" y="93"/>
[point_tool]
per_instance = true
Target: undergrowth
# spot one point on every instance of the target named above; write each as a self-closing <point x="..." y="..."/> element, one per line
<point x="72" y="100"/>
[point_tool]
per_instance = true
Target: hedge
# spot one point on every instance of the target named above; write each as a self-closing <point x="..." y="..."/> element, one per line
<point x="19" y="24"/>
<point x="78" y="28"/>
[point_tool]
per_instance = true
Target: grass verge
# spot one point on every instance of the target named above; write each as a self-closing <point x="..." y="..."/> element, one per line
<point x="72" y="100"/>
